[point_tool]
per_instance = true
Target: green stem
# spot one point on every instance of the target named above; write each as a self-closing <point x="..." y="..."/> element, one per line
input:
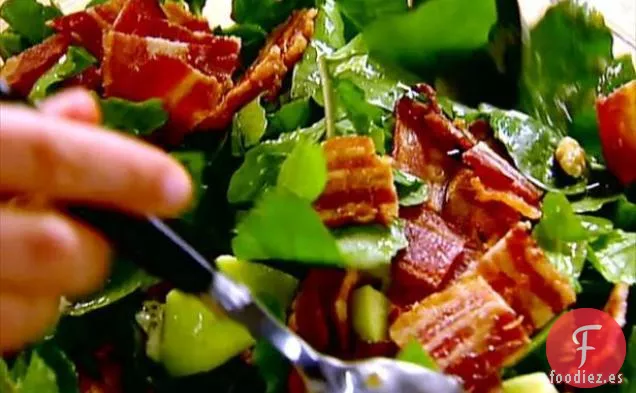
<point x="327" y="94"/>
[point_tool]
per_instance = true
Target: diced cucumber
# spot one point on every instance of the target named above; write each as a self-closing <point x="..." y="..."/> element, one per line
<point x="370" y="314"/>
<point x="530" y="383"/>
<point x="196" y="340"/>
<point x="260" y="279"/>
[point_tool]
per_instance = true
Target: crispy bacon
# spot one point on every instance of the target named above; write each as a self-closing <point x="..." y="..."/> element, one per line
<point x="284" y="49"/>
<point x="23" y="70"/>
<point x="360" y="185"/>
<point x="520" y="272"/>
<point x="138" y="69"/>
<point x="497" y="173"/>
<point x="508" y="198"/>
<point x="427" y="263"/>
<point x="350" y="282"/>
<point x="616" y="305"/>
<point x="468" y="329"/>
<point x="177" y="14"/>
<point x="90" y="78"/>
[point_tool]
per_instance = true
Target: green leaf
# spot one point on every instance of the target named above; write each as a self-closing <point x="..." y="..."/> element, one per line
<point x="596" y="226"/>
<point x="261" y="167"/>
<point x="419" y="38"/>
<point x="531" y="146"/>
<point x="590" y="203"/>
<point x="273" y="367"/>
<point x="363" y="12"/>
<point x="618" y="72"/>
<point x="252" y="39"/>
<point x="195" y="163"/>
<point x="93" y="3"/>
<point x="411" y="189"/>
<point x="28" y="18"/>
<point x="328" y="37"/>
<point x="248" y="127"/>
<point x="629" y="367"/>
<point x="39" y="377"/>
<point x="265" y="13"/>
<point x="614" y="256"/>
<point x="125" y="279"/>
<point x="6" y="381"/>
<point x="136" y="118"/>
<point x="370" y="246"/>
<point x="196" y="6"/>
<point x="285" y="227"/>
<point x="64" y="368"/>
<point x="351" y="99"/>
<point x="73" y="63"/>
<point x="304" y="172"/>
<point x="624" y="214"/>
<point x="11" y="43"/>
<point x="414" y="352"/>
<point x="290" y="117"/>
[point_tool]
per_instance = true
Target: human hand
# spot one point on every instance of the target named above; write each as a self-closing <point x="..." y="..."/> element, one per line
<point x="58" y="154"/>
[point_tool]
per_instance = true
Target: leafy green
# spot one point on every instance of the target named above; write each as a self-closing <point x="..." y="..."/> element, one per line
<point x="414" y="352"/>
<point x="418" y="39"/>
<point x="11" y="43"/>
<point x="629" y="367"/>
<point x="136" y="118"/>
<point x="196" y="6"/>
<point x="531" y="145"/>
<point x="411" y="189"/>
<point x="618" y="72"/>
<point x="273" y="367"/>
<point x="252" y="39"/>
<point x="93" y="3"/>
<point x="363" y="12"/>
<point x="624" y="214"/>
<point x="248" y="127"/>
<point x="596" y="226"/>
<point x="370" y="246"/>
<point x="304" y="172"/>
<point x="614" y="256"/>
<point x="285" y="227"/>
<point x="589" y="204"/>
<point x="28" y="18"/>
<point x="30" y="375"/>
<point x="366" y="118"/>
<point x="74" y="62"/>
<point x="261" y="167"/>
<point x="195" y="164"/>
<point x="290" y="117"/>
<point x="328" y="37"/>
<point x="265" y="13"/>
<point x="62" y="365"/>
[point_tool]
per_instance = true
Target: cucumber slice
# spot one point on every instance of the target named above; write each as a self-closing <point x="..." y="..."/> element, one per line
<point x="196" y="340"/>
<point x="370" y="314"/>
<point x="530" y="383"/>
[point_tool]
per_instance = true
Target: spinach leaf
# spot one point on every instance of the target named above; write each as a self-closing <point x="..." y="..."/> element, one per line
<point x="28" y="18"/>
<point x="328" y="37"/>
<point x="290" y="117"/>
<point x="285" y="227"/>
<point x="11" y="43"/>
<point x="624" y="214"/>
<point x="252" y="39"/>
<point x="29" y="374"/>
<point x="248" y="127"/>
<point x="614" y="256"/>
<point x="419" y="38"/>
<point x="531" y="145"/>
<point x="370" y="246"/>
<point x="414" y="352"/>
<point x="6" y="382"/>
<point x="363" y="12"/>
<point x="265" y="13"/>
<point x="73" y="63"/>
<point x="125" y="279"/>
<point x="589" y="204"/>
<point x="64" y="368"/>
<point x="195" y="164"/>
<point x="136" y="118"/>
<point x="273" y="367"/>
<point x="411" y="190"/>
<point x="629" y="367"/>
<point x="304" y="172"/>
<point x="260" y="169"/>
<point x="618" y="72"/>
<point x="351" y="99"/>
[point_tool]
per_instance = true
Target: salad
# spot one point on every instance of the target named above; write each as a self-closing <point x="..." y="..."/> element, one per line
<point x="432" y="181"/>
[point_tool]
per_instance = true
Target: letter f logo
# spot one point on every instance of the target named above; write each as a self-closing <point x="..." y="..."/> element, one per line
<point x="584" y="347"/>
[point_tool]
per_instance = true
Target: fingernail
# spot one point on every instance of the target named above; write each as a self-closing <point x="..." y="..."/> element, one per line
<point x="177" y="189"/>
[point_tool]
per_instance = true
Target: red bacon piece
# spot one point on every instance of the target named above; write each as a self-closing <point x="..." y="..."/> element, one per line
<point x="360" y="185"/>
<point x="138" y="69"/>
<point x="497" y="173"/>
<point x="23" y="70"/>
<point x="177" y="14"/>
<point x="468" y="329"/>
<point x="90" y="78"/>
<point x="519" y="271"/>
<point x="285" y="47"/>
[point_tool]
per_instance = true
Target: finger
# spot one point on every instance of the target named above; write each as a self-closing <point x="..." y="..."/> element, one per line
<point x="47" y="253"/>
<point x="25" y="319"/>
<point x="73" y="104"/>
<point x="73" y="161"/>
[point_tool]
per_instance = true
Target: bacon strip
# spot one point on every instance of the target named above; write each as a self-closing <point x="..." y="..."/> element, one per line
<point x="138" y="69"/>
<point x="23" y="70"/>
<point x="468" y="329"/>
<point x="360" y="185"/>
<point x="177" y="14"/>
<point x="520" y="272"/>
<point x="283" y="50"/>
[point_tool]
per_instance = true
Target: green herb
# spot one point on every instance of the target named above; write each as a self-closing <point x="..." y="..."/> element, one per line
<point x="11" y="43"/>
<point x="73" y="63"/>
<point x="414" y="352"/>
<point x="363" y="12"/>
<point x="370" y="246"/>
<point x="248" y="127"/>
<point x="411" y="190"/>
<point x="28" y="18"/>
<point x="304" y="172"/>
<point x="261" y="167"/>
<point x="290" y="117"/>
<point x="419" y="38"/>
<point x="618" y="72"/>
<point x="285" y="227"/>
<point x="265" y="13"/>
<point x="614" y="256"/>
<point x="136" y="118"/>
